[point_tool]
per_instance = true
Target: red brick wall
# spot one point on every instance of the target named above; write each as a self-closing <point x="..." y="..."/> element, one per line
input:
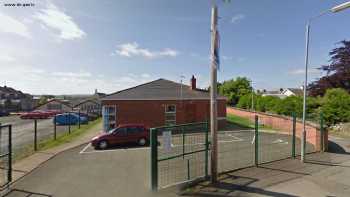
<point x="284" y="124"/>
<point x="151" y="113"/>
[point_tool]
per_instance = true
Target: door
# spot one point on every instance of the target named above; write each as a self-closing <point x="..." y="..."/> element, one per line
<point x="135" y="133"/>
<point x="119" y="136"/>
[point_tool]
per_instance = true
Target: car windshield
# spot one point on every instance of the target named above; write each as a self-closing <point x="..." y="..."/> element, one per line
<point x="112" y="130"/>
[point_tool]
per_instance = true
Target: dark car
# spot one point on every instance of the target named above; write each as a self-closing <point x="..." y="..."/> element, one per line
<point x="4" y="113"/>
<point x="123" y="134"/>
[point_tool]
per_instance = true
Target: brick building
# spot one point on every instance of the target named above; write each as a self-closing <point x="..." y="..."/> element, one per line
<point x="160" y="102"/>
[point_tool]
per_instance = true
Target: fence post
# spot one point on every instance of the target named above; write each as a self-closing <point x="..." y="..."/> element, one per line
<point x="69" y="122"/>
<point x="183" y="143"/>
<point x="188" y="170"/>
<point x="79" y="119"/>
<point x="322" y="132"/>
<point x="54" y="128"/>
<point x="154" y="160"/>
<point x="9" y="173"/>
<point x="35" y="134"/>
<point x="206" y="148"/>
<point x="294" y="129"/>
<point x="256" y="140"/>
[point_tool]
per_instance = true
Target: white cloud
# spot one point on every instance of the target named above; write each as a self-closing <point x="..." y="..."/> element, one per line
<point x="12" y="25"/>
<point x="56" y="19"/>
<point x="226" y="57"/>
<point x="301" y="71"/>
<point x="235" y="19"/>
<point x="36" y="80"/>
<point x="6" y="58"/>
<point x="71" y="74"/>
<point x="145" y="75"/>
<point x="133" y="49"/>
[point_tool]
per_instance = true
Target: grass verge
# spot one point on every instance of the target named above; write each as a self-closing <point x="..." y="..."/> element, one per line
<point x="51" y="143"/>
<point x="237" y="122"/>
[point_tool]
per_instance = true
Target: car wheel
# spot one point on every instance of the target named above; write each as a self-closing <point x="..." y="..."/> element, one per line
<point x="142" y="142"/>
<point x="102" y="144"/>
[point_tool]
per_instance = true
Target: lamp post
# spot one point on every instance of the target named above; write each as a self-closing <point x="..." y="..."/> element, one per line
<point x="335" y="9"/>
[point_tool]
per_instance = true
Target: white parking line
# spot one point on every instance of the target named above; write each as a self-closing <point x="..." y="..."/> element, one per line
<point x="86" y="147"/>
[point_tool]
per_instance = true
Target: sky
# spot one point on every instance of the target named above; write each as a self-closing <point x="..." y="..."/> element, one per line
<point x="77" y="46"/>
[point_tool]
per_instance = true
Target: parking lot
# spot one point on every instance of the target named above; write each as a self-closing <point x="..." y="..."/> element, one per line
<point x="23" y="131"/>
<point x="84" y="171"/>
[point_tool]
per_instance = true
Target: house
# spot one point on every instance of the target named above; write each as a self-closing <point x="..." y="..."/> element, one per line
<point x="160" y="102"/>
<point x="90" y="106"/>
<point x="293" y="92"/>
<point x="283" y="93"/>
<point x="55" y="104"/>
<point x="275" y="93"/>
<point x="15" y="100"/>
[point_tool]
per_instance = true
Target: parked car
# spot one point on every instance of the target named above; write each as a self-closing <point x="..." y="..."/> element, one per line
<point x="69" y="119"/>
<point x="123" y="134"/>
<point x="35" y="115"/>
<point x="4" y="113"/>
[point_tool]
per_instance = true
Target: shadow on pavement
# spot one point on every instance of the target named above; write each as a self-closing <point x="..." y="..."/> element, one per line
<point x="333" y="147"/>
<point x="19" y="192"/>
<point x="286" y="171"/>
<point x="232" y="185"/>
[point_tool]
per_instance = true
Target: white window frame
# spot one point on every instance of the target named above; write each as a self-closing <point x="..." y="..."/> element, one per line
<point x="166" y="121"/>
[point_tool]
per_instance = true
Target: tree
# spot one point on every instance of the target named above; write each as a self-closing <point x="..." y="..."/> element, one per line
<point x="337" y="72"/>
<point x="235" y="88"/>
<point x="336" y="106"/>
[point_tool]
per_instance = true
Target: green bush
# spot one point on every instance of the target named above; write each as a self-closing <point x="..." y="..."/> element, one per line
<point x="336" y="106"/>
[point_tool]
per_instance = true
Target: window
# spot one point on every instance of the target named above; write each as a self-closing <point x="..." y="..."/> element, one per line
<point x="134" y="130"/>
<point x="170" y="115"/>
<point x="121" y="131"/>
<point x="170" y="109"/>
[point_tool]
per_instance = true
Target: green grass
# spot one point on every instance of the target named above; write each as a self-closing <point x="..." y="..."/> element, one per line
<point x="51" y="143"/>
<point x="237" y="122"/>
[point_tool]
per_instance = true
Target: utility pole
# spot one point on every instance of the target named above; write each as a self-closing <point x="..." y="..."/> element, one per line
<point x="213" y="92"/>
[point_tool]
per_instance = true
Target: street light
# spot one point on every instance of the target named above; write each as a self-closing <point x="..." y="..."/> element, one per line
<point x="335" y="9"/>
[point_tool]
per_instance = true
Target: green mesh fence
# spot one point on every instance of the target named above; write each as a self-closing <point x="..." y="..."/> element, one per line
<point x="179" y="153"/>
<point x="263" y="138"/>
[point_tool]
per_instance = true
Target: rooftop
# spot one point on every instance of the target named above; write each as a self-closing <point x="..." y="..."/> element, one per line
<point x="160" y="89"/>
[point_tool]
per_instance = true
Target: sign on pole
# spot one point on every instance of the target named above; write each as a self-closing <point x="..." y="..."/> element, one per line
<point x="167" y="141"/>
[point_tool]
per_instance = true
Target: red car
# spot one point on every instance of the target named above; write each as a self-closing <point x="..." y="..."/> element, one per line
<point x="35" y="115"/>
<point x="123" y="134"/>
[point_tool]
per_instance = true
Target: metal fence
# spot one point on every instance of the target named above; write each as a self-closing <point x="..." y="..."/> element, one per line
<point x="5" y="155"/>
<point x="181" y="153"/>
<point x="28" y="134"/>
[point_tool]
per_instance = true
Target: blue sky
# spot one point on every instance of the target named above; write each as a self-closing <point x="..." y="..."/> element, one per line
<point x="73" y="47"/>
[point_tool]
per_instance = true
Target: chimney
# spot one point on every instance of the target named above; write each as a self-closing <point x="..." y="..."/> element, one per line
<point x="193" y="83"/>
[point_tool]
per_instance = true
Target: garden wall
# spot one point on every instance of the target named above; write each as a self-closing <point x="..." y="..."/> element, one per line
<point x="285" y="125"/>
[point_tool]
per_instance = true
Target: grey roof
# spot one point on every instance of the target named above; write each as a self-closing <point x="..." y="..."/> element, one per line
<point x="160" y="89"/>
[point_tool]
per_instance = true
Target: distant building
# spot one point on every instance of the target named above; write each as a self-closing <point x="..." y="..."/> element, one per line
<point x="293" y="92"/>
<point x="14" y="100"/>
<point x="89" y="106"/>
<point x="56" y="104"/>
<point x="275" y="93"/>
<point x="283" y="93"/>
